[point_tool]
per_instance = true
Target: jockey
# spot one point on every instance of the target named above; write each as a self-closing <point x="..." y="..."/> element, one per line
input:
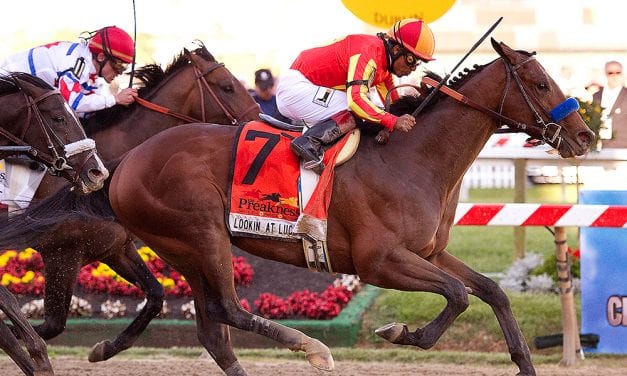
<point x="73" y="68"/>
<point x="328" y="86"/>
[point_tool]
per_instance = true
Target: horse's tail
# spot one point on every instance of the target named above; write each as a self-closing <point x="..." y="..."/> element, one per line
<point x="35" y="224"/>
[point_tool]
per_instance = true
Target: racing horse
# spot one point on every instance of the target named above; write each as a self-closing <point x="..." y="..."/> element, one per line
<point x="390" y="214"/>
<point x="194" y="87"/>
<point x="36" y="121"/>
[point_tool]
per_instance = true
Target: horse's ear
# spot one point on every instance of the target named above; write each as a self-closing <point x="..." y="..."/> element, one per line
<point x="497" y="47"/>
<point x="502" y="49"/>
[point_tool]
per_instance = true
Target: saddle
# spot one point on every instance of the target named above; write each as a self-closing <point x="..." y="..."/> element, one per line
<point x="345" y="154"/>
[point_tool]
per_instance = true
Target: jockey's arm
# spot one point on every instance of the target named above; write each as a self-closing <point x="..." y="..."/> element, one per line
<point x="357" y="90"/>
<point x="81" y="97"/>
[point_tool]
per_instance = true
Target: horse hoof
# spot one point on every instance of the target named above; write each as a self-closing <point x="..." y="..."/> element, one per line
<point x="98" y="352"/>
<point x="235" y="369"/>
<point x="527" y="373"/>
<point x="391" y="332"/>
<point x="319" y="356"/>
<point x="43" y="373"/>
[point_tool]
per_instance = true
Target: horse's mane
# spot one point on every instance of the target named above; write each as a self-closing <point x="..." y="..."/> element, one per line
<point x="9" y="82"/>
<point x="150" y="76"/>
<point x="406" y="104"/>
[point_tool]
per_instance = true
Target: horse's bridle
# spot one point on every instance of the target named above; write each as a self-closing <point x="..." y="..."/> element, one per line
<point x="550" y="132"/>
<point x="56" y="161"/>
<point x="202" y="82"/>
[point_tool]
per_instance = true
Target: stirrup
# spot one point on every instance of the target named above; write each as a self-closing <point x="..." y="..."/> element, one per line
<point x="315" y="166"/>
<point x="311" y="161"/>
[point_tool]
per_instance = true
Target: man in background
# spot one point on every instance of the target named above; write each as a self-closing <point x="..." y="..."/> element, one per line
<point x="613" y="98"/>
<point x="264" y="94"/>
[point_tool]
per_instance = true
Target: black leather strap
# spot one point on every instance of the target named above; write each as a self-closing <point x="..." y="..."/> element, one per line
<point x="357" y="82"/>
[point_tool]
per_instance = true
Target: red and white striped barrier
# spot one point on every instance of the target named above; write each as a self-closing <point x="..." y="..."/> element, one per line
<point x="559" y="215"/>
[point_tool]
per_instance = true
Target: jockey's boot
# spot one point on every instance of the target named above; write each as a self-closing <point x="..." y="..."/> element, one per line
<point x="310" y="146"/>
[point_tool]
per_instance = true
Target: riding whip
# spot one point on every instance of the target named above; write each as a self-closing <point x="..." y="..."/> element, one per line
<point x="132" y="74"/>
<point x="445" y="79"/>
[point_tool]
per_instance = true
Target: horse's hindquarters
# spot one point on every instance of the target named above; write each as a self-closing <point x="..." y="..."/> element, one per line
<point x="174" y="182"/>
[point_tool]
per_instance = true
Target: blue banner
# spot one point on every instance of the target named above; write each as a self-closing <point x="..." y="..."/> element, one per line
<point x="604" y="278"/>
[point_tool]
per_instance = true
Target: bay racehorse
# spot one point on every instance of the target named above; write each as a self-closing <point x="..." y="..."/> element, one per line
<point x="194" y="87"/>
<point x="390" y="216"/>
<point x="36" y="121"/>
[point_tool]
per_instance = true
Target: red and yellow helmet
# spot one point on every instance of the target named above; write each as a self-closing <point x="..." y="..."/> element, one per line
<point x="415" y="36"/>
<point x="113" y="42"/>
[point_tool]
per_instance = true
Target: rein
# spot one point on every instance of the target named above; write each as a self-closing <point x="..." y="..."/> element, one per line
<point x="164" y="110"/>
<point x="550" y="132"/>
<point x="56" y="162"/>
<point x="202" y="81"/>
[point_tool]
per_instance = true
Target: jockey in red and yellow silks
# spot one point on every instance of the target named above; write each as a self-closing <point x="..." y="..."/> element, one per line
<point x="357" y="60"/>
<point x="325" y="84"/>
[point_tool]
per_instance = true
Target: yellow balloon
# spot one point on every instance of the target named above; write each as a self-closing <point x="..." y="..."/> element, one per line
<point x="383" y="13"/>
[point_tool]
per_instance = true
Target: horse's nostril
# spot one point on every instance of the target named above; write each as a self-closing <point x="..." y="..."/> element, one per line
<point x="97" y="174"/>
<point x="585" y="138"/>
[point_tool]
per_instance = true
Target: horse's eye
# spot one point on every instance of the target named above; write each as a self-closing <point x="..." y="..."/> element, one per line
<point x="228" y="89"/>
<point x="58" y="119"/>
<point x="543" y="86"/>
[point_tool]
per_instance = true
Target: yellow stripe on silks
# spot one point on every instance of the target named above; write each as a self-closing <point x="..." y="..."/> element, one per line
<point x="382" y="90"/>
<point x="364" y="90"/>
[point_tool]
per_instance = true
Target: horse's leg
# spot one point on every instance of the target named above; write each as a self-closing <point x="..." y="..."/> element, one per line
<point x="215" y="337"/>
<point x="490" y="292"/>
<point x="131" y="267"/>
<point x="403" y="270"/>
<point x="14" y="350"/>
<point x="38" y="362"/>
<point x="216" y="300"/>
<point x="60" y="273"/>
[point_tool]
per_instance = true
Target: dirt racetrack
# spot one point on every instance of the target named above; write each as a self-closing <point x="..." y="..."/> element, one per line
<point x="67" y="366"/>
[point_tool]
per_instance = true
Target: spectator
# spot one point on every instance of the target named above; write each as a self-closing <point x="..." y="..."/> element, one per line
<point x="591" y="88"/>
<point x="613" y="99"/>
<point x="264" y="94"/>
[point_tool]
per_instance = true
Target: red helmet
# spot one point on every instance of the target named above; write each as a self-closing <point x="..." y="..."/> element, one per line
<point x="415" y="36"/>
<point x="113" y="42"/>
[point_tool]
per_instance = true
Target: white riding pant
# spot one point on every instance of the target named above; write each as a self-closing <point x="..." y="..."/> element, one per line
<point x="21" y="183"/>
<point x="300" y="100"/>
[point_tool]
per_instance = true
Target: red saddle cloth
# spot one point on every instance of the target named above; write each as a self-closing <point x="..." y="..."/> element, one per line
<point x="263" y="195"/>
<point x="264" y="189"/>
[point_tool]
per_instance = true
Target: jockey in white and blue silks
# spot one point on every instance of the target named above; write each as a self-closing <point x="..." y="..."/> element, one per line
<point x="73" y="68"/>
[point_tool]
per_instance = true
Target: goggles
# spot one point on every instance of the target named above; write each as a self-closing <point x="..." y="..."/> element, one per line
<point x="118" y="66"/>
<point x="411" y="60"/>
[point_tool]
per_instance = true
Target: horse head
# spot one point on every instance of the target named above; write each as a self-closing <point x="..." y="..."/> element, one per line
<point x="39" y="123"/>
<point x="223" y="90"/>
<point x="529" y="97"/>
